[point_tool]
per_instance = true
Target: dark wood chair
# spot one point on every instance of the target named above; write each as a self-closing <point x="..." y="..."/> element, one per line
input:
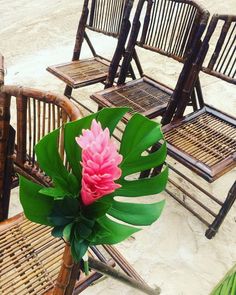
<point x="171" y="28"/>
<point x="205" y="141"/>
<point x="108" y="17"/>
<point x="31" y="260"/>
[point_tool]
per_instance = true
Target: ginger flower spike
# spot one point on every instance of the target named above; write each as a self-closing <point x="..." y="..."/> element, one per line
<point x="100" y="161"/>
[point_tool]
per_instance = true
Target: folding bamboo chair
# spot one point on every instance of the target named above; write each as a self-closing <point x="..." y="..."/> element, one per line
<point x="30" y="257"/>
<point x="172" y="28"/>
<point x="205" y="141"/>
<point x="108" y="17"/>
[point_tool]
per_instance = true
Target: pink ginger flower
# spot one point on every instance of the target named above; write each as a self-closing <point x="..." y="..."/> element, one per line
<point x="100" y="161"/>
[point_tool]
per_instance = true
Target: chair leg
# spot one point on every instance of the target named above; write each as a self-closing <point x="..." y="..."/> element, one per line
<point x="213" y="228"/>
<point x="147" y="173"/>
<point x="68" y="91"/>
<point x="156" y="170"/>
<point x="7" y="175"/>
<point x="193" y="101"/>
<point x="198" y="88"/>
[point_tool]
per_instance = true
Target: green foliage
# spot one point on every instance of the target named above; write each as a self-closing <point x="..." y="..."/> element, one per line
<point x="228" y="284"/>
<point x="108" y="220"/>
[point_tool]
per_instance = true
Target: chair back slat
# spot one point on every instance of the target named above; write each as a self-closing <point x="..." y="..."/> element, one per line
<point x="21" y="107"/>
<point x="170" y="27"/>
<point x="38" y="113"/>
<point x="222" y="62"/>
<point x="103" y="16"/>
<point x="106" y="16"/>
<point x="4" y="135"/>
<point x="1" y="70"/>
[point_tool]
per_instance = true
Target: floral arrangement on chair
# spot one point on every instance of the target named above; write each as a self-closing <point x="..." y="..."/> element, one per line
<point x="81" y="205"/>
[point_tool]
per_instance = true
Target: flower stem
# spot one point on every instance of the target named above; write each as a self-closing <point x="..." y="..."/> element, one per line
<point x="117" y="275"/>
<point x="86" y="265"/>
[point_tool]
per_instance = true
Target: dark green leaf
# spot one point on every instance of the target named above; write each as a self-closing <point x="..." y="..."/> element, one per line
<point x="136" y="214"/>
<point x="78" y="248"/>
<point x="37" y="207"/>
<point x="56" y="193"/>
<point x="97" y="209"/>
<point x="143" y="187"/>
<point x="111" y="232"/>
<point x="58" y="220"/>
<point x="142" y="163"/>
<point x="83" y="230"/>
<point x="67" y="231"/>
<point x="143" y="132"/>
<point x="110" y="117"/>
<point x="57" y="231"/>
<point x="64" y="211"/>
<point x="50" y="162"/>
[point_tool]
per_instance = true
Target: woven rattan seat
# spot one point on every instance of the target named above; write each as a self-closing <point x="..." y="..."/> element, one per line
<point x="82" y="72"/>
<point x="148" y="96"/>
<point x="31" y="256"/>
<point x="143" y="96"/>
<point x="205" y="142"/>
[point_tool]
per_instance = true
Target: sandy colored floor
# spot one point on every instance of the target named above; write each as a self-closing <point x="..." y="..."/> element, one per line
<point x="173" y="253"/>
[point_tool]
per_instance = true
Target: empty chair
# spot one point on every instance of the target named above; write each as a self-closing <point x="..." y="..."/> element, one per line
<point x="171" y="28"/>
<point x="205" y="140"/>
<point x="109" y="17"/>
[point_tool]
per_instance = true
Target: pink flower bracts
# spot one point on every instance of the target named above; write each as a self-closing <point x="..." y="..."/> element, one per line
<point x="100" y="161"/>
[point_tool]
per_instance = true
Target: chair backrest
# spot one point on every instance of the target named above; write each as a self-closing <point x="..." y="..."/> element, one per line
<point x="106" y="16"/>
<point x="102" y="16"/>
<point x="169" y="27"/>
<point x="36" y="113"/>
<point x="222" y="62"/>
<point x="217" y="56"/>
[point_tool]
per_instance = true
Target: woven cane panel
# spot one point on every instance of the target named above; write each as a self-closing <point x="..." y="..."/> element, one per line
<point x="140" y="97"/>
<point x="206" y="138"/>
<point x="82" y="71"/>
<point x="29" y="259"/>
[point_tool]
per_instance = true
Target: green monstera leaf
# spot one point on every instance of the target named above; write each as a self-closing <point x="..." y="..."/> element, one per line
<point x="36" y="206"/>
<point x="109" y="220"/>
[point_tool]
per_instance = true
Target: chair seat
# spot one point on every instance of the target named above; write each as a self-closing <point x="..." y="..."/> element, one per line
<point x="204" y="141"/>
<point x="82" y="72"/>
<point x="144" y="96"/>
<point x="30" y="258"/>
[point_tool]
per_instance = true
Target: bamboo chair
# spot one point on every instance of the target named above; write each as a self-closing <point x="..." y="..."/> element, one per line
<point x="171" y="28"/>
<point x="37" y="113"/>
<point x="205" y="141"/>
<point x="30" y="256"/>
<point x="108" y="17"/>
